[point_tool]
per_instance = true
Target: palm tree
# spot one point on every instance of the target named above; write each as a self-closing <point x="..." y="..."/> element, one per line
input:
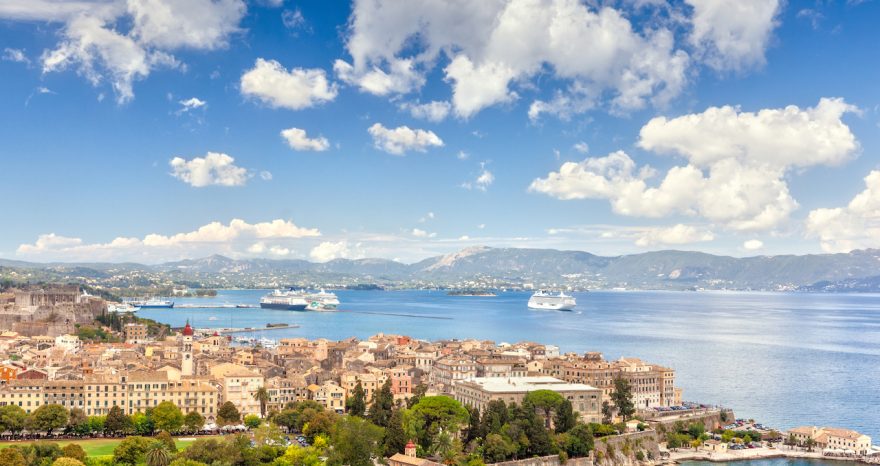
<point x="157" y="455"/>
<point x="262" y="395"/>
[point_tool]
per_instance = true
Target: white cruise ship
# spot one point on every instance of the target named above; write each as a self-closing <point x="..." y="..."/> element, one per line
<point x="322" y="301"/>
<point x="546" y="300"/>
<point x="289" y="300"/>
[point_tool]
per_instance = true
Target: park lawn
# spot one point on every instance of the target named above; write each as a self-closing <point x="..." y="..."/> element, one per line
<point x="99" y="446"/>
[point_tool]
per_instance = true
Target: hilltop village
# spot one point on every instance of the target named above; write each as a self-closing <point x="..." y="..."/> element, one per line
<point x="61" y="348"/>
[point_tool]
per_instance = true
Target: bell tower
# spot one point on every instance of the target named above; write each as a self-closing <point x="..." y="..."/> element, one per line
<point x="186" y="363"/>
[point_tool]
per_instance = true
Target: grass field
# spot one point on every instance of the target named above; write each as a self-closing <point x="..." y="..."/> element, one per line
<point x="98" y="446"/>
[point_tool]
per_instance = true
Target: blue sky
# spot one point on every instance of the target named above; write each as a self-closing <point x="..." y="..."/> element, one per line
<point x="153" y="130"/>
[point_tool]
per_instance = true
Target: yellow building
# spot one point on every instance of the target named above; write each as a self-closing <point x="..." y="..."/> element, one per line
<point x="238" y="384"/>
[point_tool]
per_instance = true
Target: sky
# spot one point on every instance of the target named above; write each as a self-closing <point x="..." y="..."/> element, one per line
<point x="158" y="130"/>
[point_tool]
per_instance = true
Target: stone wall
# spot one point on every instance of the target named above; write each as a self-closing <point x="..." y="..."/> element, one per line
<point x="711" y="420"/>
<point x="546" y="461"/>
<point x="624" y="449"/>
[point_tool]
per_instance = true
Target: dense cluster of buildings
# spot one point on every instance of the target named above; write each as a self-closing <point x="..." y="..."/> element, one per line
<point x="198" y="371"/>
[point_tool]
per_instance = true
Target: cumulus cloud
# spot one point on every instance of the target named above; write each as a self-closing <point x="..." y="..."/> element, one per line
<point x="854" y="226"/>
<point x="15" y="55"/>
<point x="492" y="44"/>
<point x="269" y="82"/>
<point x="419" y="233"/>
<point x="214" y="169"/>
<point x="297" y="139"/>
<point x="753" y="244"/>
<point x="400" y="140"/>
<point x="736" y="166"/>
<point x="122" y="42"/>
<point x="195" y="24"/>
<point x="434" y="111"/>
<point x="236" y="237"/>
<point x="330" y="250"/>
<point x="191" y="104"/>
<point x="732" y="34"/>
<point x="674" y="235"/>
<point x="484" y="179"/>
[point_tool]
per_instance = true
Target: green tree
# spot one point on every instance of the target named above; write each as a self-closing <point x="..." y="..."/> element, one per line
<point x="268" y="434"/>
<point x="77" y="422"/>
<point x="475" y="426"/>
<point x="193" y="422"/>
<point x="566" y="418"/>
<point x="417" y="394"/>
<point x="287" y="418"/>
<point x="142" y="423"/>
<point x="381" y="405"/>
<point x="356" y="442"/>
<point x="212" y="451"/>
<point x="356" y="404"/>
<point x="496" y="415"/>
<point x="48" y="418"/>
<point x="167" y="416"/>
<point x="166" y="439"/>
<point x="545" y="400"/>
<point x="622" y="398"/>
<point x="157" y="454"/>
<point x="262" y="395"/>
<point x="116" y="421"/>
<point x="12" y="456"/>
<point x="12" y="419"/>
<point x="228" y="414"/>
<point x="579" y="441"/>
<point x="607" y="412"/>
<point x="435" y="413"/>
<point x="395" y="436"/>
<point x="497" y="448"/>
<point x="130" y="451"/>
<point x="252" y="421"/>
<point x="74" y="451"/>
<point x="186" y="462"/>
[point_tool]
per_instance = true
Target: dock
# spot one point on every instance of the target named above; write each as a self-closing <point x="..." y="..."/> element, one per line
<point x="215" y="306"/>
<point x="226" y="331"/>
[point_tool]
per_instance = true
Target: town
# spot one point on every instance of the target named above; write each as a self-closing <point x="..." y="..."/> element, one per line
<point x="72" y="369"/>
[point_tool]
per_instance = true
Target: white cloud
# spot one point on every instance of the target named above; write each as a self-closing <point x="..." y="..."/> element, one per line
<point x="427" y="217"/>
<point x="214" y="168"/>
<point x="296" y="89"/>
<point x="462" y="155"/>
<point x="298" y="140"/>
<point x="674" y="235"/>
<point x="492" y="44"/>
<point x="195" y="24"/>
<point x="191" y="104"/>
<point x="124" y="41"/>
<point x="419" y="233"/>
<point x="266" y="175"/>
<point x="582" y="147"/>
<point x="434" y="111"/>
<point x="399" y="140"/>
<point x="329" y="250"/>
<point x="236" y="238"/>
<point x="855" y="226"/>
<point x="737" y="162"/>
<point x="279" y="251"/>
<point x="100" y="52"/>
<point x="733" y="34"/>
<point x="484" y="179"/>
<point x="464" y="238"/>
<point x="15" y="55"/>
<point x="293" y="19"/>
<point x="753" y="244"/>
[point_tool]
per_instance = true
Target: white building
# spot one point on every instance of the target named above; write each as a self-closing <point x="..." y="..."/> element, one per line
<point x="478" y="392"/>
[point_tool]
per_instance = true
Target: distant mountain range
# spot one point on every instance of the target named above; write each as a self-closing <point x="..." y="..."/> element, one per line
<point x="854" y="271"/>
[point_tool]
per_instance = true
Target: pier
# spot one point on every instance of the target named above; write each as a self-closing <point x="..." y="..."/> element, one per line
<point x="226" y="331"/>
<point x="216" y="306"/>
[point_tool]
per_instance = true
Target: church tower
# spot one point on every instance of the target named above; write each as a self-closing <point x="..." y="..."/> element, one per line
<point x="186" y="364"/>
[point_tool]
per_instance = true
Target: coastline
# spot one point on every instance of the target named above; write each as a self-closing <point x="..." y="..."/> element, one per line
<point x="678" y="457"/>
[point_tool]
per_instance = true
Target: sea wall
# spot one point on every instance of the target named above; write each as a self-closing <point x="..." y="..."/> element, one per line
<point x="546" y="461"/>
<point x="711" y="420"/>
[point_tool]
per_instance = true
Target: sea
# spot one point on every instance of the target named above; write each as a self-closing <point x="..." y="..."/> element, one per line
<point x="784" y="359"/>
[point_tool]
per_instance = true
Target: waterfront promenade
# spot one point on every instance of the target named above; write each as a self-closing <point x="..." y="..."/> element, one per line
<point x="683" y="455"/>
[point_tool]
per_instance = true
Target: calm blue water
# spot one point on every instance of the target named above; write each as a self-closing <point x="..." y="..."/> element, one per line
<point x="785" y="359"/>
<point x="774" y="462"/>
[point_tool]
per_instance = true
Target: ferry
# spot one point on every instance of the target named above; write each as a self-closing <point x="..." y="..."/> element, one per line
<point x="322" y="301"/>
<point x="150" y="303"/>
<point x="547" y="300"/>
<point x="290" y="300"/>
<point x="120" y="307"/>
